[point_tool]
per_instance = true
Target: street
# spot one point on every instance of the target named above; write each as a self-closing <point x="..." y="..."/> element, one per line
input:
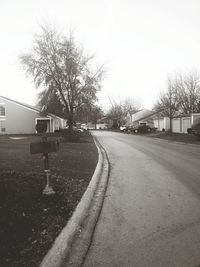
<point x="151" y="211"/>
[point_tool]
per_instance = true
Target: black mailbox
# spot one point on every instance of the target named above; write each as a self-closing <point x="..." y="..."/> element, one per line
<point x="44" y="147"/>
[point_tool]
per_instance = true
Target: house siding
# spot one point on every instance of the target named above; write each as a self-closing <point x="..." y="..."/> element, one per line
<point x="161" y="124"/>
<point x="20" y="119"/>
<point x="166" y="123"/>
<point x="195" y="118"/>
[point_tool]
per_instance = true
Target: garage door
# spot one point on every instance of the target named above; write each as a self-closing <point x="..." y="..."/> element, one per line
<point x="186" y="124"/>
<point x="176" y="125"/>
<point x="161" y="124"/>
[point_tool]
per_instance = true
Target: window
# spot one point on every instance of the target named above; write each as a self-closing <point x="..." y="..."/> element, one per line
<point x="2" y="126"/>
<point x="2" y="110"/>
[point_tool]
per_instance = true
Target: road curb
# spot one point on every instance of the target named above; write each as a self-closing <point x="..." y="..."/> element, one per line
<point x="71" y="246"/>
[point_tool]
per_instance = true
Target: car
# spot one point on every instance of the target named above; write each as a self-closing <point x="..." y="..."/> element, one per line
<point x="143" y="129"/>
<point x="195" y="129"/>
<point x="122" y="128"/>
<point x="128" y="129"/>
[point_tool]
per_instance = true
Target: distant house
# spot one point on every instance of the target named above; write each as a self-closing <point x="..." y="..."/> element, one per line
<point x="148" y="117"/>
<point x="180" y="124"/>
<point x="104" y="123"/>
<point x="90" y="126"/>
<point x="143" y="116"/>
<point x="20" y="118"/>
<point x="140" y="116"/>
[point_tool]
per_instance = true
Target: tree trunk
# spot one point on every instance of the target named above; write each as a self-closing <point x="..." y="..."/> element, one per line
<point x="71" y="119"/>
<point x="70" y="124"/>
<point x="170" y="124"/>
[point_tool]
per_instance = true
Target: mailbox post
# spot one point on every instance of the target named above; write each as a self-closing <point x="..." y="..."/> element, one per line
<point x="45" y="147"/>
<point x="48" y="190"/>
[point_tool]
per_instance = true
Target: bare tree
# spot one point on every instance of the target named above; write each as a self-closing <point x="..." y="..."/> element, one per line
<point x="119" y="110"/>
<point x="57" y="64"/>
<point x="168" y="103"/>
<point x="188" y="89"/>
<point x="116" y="113"/>
<point x="130" y="105"/>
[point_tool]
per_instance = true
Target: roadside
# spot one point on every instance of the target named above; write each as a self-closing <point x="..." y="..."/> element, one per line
<point x="71" y="246"/>
<point x="177" y="137"/>
<point x="29" y="221"/>
<point x="174" y="137"/>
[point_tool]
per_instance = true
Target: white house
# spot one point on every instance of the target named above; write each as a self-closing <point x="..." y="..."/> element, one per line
<point x="150" y="118"/>
<point x="104" y="123"/>
<point x="143" y="116"/>
<point x="20" y="118"/>
<point x="180" y="124"/>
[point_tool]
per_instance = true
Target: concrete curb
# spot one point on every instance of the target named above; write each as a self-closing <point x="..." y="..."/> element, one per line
<point x="71" y="246"/>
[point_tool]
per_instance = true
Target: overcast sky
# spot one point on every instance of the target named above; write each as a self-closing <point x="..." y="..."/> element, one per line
<point x="141" y="41"/>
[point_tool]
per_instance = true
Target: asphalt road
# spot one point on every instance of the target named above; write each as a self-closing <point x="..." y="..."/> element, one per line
<point x="151" y="212"/>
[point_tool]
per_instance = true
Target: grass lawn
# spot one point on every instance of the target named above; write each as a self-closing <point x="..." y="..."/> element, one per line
<point x="30" y="221"/>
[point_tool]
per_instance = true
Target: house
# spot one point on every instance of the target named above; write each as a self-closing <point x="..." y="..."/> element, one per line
<point x="20" y="118"/>
<point x="90" y="125"/>
<point x="101" y="126"/>
<point x="180" y="124"/>
<point x="104" y="123"/>
<point x="140" y="115"/>
<point x="148" y="117"/>
<point x="143" y="117"/>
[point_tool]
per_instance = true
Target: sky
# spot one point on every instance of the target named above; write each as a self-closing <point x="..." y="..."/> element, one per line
<point x="140" y="42"/>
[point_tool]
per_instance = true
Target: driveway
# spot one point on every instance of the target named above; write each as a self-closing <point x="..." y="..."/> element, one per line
<point x="151" y="212"/>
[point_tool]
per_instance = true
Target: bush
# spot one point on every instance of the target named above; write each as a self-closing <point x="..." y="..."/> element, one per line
<point x="68" y="135"/>
<point x="143" y="129"/>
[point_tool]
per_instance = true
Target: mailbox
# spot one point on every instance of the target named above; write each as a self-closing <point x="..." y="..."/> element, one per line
<point x="44" y="147"/>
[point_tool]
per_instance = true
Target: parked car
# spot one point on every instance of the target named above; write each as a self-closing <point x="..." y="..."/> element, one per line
<point x="128" y="129"/>
<point x="122" y="128"/>
<point x="195" y="129"/>
<point x="143" y="129"/>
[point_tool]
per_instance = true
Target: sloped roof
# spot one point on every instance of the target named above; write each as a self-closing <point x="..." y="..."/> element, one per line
<point x="142" y="114"/>
<point x="21" y="104"/>
<point x="182" y="116"/>
<point x="103" y="119"/>
<point x="28" y="106"/>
